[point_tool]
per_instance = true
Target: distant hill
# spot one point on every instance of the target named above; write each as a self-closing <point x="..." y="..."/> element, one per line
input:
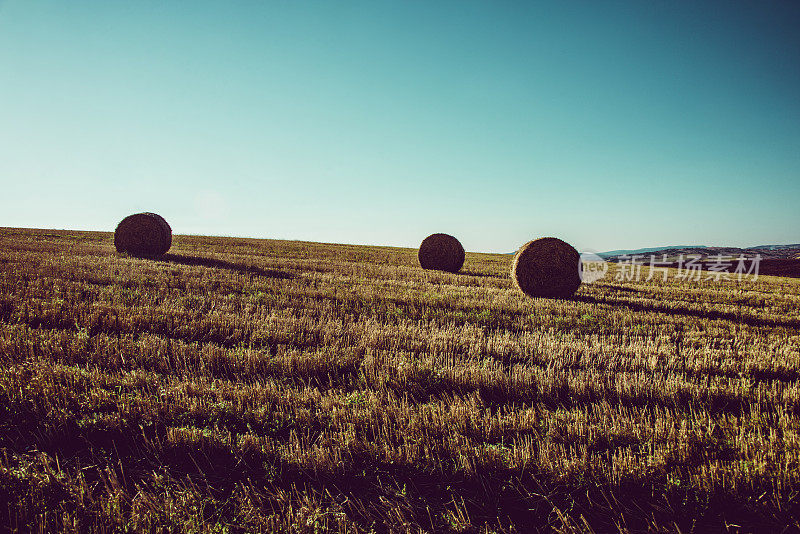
<point x="612" y="253"/>
<point x="776" y="260"/>
<point x="674" y="251"/>
<point x="777" y="247"/>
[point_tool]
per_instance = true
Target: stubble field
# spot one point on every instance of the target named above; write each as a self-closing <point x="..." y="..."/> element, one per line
<point x="240" y="385"/>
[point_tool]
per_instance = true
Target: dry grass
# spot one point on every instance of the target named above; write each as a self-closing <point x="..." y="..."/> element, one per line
<point x="247" y="385"/>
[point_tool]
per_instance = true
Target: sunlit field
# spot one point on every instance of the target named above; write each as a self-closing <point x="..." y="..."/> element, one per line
<point x="239" y="385"/>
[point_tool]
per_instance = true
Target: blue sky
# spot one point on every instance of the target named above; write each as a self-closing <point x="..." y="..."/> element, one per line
<point x="621" y="125"/>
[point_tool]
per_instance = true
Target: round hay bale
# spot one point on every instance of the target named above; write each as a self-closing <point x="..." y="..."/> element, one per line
<point x="143" y="234"/>
<point x="441" y="252"/>
<point x="547" y="267"/>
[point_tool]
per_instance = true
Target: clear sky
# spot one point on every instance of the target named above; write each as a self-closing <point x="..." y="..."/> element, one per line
<point x="608" y="124"/>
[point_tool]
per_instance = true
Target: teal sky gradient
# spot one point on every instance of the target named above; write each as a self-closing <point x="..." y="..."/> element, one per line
<point x="610" y="125"/>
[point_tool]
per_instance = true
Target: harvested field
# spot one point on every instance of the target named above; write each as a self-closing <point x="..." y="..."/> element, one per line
<point x="252" y="385"/>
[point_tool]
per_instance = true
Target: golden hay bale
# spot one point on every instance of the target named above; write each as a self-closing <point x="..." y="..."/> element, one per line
<point x="547" y="267"/>
<point x="143" y="234"/>
<point x="441" y="252"/>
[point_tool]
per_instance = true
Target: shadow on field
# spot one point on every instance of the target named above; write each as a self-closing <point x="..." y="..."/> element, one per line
<point x="222" y="264"/>
<point x="484" y="275"/>
<point x="623" y="289"/>
<point x="122" y="461"/>
<point x="704" y="314"/>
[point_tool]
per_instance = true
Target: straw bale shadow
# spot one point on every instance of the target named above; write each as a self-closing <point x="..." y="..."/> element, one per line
<point x="215" y="263"/>
<point x="690" y="312"/>
<point x="484" y="275"/>
<point x="624" y="289"/>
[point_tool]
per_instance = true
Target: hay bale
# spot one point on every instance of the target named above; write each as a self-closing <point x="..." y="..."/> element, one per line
<point x="441" y="252"/>
<point x="547" y="267"/>
<point x="143" y="234"/>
